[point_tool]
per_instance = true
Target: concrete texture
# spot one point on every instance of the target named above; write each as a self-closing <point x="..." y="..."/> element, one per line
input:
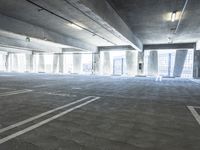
<point x="41" y="63"/>
<point x="132" y="114"/>
<point x="29" y="62"/>
<point x="153" y="63"/>
<point x="132" y="63"/>
<point x="55" y="63"/>
<point x="141" y="62"/>
<point x="106" y="15"/>
<point x="107" y="63"/>
<point x="15" y="62"/>
<point x="7" y="61"/>
<point x="77" y="58"/>
<point x="50" y="21"/>
<point x="61" y="63"/>
<point x="197" y="64"/>
<point x="179" y="62"/>
<point x="38" y="35"/>
<point x="150" y="20"/>
<point x="96" y="63"/>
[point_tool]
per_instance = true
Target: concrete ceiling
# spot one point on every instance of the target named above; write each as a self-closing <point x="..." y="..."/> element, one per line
<point x="150" y="20"/>
<point x="55" y="16"/>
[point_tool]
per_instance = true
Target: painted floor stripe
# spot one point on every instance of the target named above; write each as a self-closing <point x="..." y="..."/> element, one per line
<point x="194" y="113"/>
<point x="3" y="88"/>
<point x="12" y="136"/>
<point x="15" y="92"/>
<point x="42" y="115"/>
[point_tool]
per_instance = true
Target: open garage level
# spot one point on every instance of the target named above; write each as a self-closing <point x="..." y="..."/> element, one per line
<point x="96" y="112"/>
<point x="99" y="75"/>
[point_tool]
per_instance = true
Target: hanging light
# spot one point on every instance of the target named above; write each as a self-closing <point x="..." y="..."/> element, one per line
<point x="173" y="17"/>
<point x="28" y="39"/>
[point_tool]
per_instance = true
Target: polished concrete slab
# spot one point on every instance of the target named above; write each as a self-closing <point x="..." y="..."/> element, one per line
<point x="131" y="114"/>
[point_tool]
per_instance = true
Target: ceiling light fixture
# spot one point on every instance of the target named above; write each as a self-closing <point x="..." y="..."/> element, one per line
<point x="28" y="39"/>
<point x="75" y="26"/>
<point x="173" y="17"/>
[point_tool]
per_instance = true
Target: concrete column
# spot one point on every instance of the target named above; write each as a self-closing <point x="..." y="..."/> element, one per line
<point x="15" y="62"/>
<point x="7" y="62"/>
<point x="61" y="63"/>
<point x="179" y="62"/>
<point x="96" y="63"/>
<point x="196" y="72"/>
<point x="55" y="63"/>
<point x="41" y="65"/>
<point x="132" y="63"/>
<point x="106" y="64"/>
<point x="140" y="63"/>
<point x="4" y="62"/>
<point x="153" y="63"/>
<point x="29" y="62"/>
<point x="77" y="59"/>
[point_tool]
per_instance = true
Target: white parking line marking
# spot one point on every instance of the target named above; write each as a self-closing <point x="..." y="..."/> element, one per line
<point x="12" y="136"/>
<point x="42" y="115"/>
<point x="198" y="107"/>
<point x="38" y="86"/>
<point x="56" y="94"/>
<point x="15" y="92"/>
<point x="3" y="88"/>
<point x="194" y="113"/>
<point x="7" y="75"/>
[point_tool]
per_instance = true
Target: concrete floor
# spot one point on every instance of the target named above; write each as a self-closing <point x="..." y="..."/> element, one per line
<point x="131" y="114"/>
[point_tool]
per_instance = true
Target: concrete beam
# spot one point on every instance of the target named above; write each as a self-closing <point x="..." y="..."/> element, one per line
<point x="73" y="50"/>
<point x="14" y="50"/>
<point x="170" y="46"/>
<point x="102" y="12"/>
<point x="19" y="44"/>
<point x="22" y="28"/>
<point x="115" y="48"/>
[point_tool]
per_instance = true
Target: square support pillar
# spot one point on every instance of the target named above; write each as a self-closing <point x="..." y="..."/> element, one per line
<point x="132" y="63"/>
<point x="106" y="64"/>
<point x="77" y="59"/>
<point x="29" y="62"/>
<point x="41" y="65"/>
<point x="61" y="63"/>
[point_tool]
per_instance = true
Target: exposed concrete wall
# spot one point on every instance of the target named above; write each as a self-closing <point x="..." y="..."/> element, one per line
<point x="41" y="65"/>
<point x="77" y="59"/>
<point x="132" y="63"/>
<point x="96" y="63"/>
<point x="106" y="64"/>
<point x="29" y="62"/>
<point x="179" y="62"/>
<point x="153" y="63"/>
<point x="196" y="73"/>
